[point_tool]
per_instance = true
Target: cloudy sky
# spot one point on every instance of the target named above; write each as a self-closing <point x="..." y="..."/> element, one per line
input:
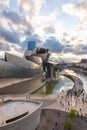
<point x="60" y="25"/>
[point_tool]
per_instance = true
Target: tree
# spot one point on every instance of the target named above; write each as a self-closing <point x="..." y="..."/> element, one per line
<point x="57" y="68"/>
<point x="68" y="126"/>
<point x="72" y="113"/>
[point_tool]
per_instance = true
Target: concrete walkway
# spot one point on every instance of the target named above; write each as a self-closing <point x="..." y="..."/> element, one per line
<point x="77" y="87"/>
<point x="61" y="101"/>
<point x="64" y="103"/>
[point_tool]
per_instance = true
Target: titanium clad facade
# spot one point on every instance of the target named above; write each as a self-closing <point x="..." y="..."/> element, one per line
<point x="9" y="70"/>
<point x="35" y="59"/>
<point x="28" y="68"/>
<point x="16" y="67"/>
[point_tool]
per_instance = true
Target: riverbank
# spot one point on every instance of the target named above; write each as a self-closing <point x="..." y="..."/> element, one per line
<point x="63" y="103"/>
<point x="77" y="87"/>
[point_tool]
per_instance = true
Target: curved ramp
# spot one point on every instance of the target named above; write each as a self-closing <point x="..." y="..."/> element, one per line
<point x="77" y="89"/>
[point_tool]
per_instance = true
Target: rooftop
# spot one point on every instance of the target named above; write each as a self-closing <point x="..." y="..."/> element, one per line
<point x="13" y="110"/>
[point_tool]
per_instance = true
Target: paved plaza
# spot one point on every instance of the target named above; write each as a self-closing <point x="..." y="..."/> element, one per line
<point x="60" y="102"/>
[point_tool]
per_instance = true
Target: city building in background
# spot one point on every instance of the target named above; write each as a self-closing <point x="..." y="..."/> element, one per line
<point x="31" y="45"/>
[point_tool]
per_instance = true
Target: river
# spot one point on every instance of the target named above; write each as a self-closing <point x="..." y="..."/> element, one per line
<point x="63" y="83"/>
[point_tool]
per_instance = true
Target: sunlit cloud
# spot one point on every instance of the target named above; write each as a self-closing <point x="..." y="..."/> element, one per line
<point x="4" y="4"/>
<point x="69" y="57"/>
<point x="43" y="19"/>
<point x="49" y="29"/>
<point x="78" y="10"/>
<point x="47" y="23"/>
<point x="30" y="6"/>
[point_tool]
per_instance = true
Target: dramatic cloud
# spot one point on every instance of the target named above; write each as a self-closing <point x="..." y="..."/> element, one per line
<point x="9" y="35"/>
<point x="13" y="16"/>
<point x="30" y="6"/>
<point x="4" y="4"/>
<point x="79" y="49"/>
<point x="79" y="10"/>
<point x="65" y="38"/>
<point x="73" y="38"/>
<point x="14" y="26"/>
<point x="68" y="49"/>
<point x="18" y="21"/>
<point x="27" y="6"/>
<point x="12" y="48"/>
<point x="53" y="45"/>
<point x="59" y="26"/>
<point x="70" y="39"/>
<point x="82" y="49"/>
<point x="49" y="29"/>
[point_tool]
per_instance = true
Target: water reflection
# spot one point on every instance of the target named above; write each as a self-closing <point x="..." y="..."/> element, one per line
<point x="46" y="89"/>
<point x="63" y="83"/>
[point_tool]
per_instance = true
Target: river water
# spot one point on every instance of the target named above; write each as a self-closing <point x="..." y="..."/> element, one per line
<point x="63" y="83"/>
